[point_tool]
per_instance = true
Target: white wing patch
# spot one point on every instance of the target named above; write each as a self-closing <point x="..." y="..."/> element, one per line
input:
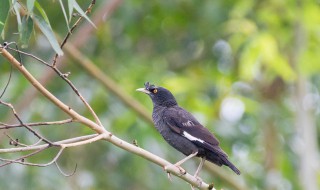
<point x="191" y="138"/>
<point x="188" y="123"/>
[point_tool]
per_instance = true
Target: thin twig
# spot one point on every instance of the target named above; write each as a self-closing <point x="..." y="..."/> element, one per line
<point x="22" y="162"/>
<point x="65" y="78"/>
<point x="8" y="126"/>
<point x="15" y="142"/>
<point x="8" y="82"/>
<point x="24" y="125"/>
<point x="88" y="141"/>
<point x="63" y="173"/>
<point x="30" y="55"/>
<point x="30" y="148"/>
<point x="8" y="161"/>
<point x="93" y="2"/>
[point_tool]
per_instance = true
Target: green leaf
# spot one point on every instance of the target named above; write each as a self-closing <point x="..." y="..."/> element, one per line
<point x="25" y="31"/>
<point x="42" y="12"/>
<point x="80" y="11"/>
<point x="70" y="6"/>
<point x="17" y="12"/>
<point x="30" y="5"/>
<point x="4" y="10"/>
<point x="47" y="31"/>
<point x="64" y="13"/>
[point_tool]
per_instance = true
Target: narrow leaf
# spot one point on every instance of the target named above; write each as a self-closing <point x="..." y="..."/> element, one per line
<point x="47" y="31"/>
<point x="4" y="11"/>
<point x="17" y="12"/>
<point x="42" y="12"/>
<point x="64" y="14"/>
<point x="70" y="6"/>
<point x="30" y="5"/>
<point x="26" y="30"/>
<point x="80" y="11"/>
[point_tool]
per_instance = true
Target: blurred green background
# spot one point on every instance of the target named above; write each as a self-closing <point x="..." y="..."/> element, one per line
<point x="248" y="70"/>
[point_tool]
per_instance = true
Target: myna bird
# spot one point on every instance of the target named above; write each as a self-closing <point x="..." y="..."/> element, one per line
<point x="183" y="131"/>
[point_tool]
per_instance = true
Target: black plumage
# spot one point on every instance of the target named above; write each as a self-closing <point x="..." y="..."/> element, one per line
<point x="182" y="131"/>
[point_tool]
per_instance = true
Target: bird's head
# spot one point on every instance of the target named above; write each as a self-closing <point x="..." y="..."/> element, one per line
<point x="159" y="95"/>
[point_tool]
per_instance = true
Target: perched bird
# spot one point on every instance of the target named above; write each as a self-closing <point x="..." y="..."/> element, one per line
<point x="182" y="131"/>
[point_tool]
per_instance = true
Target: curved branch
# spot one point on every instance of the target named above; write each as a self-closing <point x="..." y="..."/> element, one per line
<point x="63" y="173"/>
<point x="22" y="162"/>
<point x="8" y="161"/>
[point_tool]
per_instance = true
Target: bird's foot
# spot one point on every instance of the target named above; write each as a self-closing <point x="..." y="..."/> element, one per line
<point x="181" y="170"/>
<point x="199" y="181"/>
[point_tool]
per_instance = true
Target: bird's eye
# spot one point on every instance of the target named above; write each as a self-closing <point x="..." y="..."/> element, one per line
<point x="154" y="91"/>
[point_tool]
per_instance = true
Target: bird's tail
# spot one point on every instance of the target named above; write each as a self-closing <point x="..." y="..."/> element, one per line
<point x="220" y="158"/>
<point x="231" y="166"/>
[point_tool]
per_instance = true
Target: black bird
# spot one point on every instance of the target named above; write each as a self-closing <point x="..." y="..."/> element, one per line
<point x="182" y="131"/>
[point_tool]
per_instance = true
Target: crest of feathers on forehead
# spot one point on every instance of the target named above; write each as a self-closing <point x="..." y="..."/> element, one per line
<point x="160" y="96"/>
<point x="149" y="86"/>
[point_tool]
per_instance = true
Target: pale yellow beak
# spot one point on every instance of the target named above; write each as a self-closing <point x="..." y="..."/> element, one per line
<point x="143" y="90"/>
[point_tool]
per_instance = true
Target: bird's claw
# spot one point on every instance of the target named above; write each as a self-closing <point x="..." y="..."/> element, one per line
<point x="199" y="180"/>
<point x="181" y="170"/>
<point x="169" y="176"/>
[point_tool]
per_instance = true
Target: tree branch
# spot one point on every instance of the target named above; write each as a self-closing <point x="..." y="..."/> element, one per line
<point x="25" y="125"/>
<point x="22" y="162"/>
<point x="93" y="2"/>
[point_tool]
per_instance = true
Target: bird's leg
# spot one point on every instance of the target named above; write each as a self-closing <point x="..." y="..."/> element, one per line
<point x="203" y="159"/>
<point x="186" y="158"/>
<point x="182" y="171"/>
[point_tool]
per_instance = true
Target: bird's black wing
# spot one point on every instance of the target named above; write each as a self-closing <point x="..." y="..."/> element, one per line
<point x="182" y="122"/>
